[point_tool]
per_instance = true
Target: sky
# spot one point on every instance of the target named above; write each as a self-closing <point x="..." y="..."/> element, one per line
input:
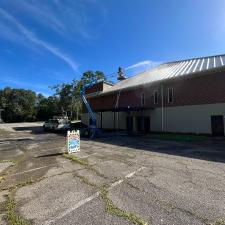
<point x="47" y="42"/>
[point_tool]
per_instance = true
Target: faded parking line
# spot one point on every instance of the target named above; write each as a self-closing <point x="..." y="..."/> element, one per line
<point x="86" y="200"/>
<point x="38" y="168"/>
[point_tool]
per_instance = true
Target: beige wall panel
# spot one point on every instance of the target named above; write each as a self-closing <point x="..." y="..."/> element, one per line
<point x="194" y="119"/>
<point x="186" y="119"/>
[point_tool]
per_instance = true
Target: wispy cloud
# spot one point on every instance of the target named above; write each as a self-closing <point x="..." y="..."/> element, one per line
<point x="34" y="39"/>
<point x="67" y="18"/>
<point x="140" y="67"/>
<point x="146" y="63"/>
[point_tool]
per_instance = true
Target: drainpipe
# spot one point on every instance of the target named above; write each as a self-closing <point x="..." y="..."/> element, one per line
<point x="162" y="108"/>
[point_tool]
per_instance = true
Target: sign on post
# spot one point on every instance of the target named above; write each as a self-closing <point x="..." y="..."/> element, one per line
<point x="73" y="141"/>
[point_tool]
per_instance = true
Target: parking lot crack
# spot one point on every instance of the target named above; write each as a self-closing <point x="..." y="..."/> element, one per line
<point x="169" y="204"/>
<point x="85" y="164"/>
<point x="111" y="208"/>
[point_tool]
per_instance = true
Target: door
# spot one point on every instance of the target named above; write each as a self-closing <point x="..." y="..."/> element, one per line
<point x="217" y="125"/>
<point x="139" y="121"/>
<point x="129" y="124"/>
<point x="147" y="126"/>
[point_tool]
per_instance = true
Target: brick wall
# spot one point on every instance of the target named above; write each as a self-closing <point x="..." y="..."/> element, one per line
<point x="195" y="90"/>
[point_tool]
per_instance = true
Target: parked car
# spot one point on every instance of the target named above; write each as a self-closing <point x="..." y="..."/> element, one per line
<point x="57" y="125"/>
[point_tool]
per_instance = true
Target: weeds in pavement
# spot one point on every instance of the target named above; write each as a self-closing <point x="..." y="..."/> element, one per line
<point x="84" y="179"/>
<point x="82" y="162"/>
<point x="2" y="178"/>
<point x="5" y="161"/>
<point x="114" y="210"/>
<point x="219" y="222"/>
<point x="12" y="217"/>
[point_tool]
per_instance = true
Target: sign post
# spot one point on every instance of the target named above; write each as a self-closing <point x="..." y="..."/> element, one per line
<point x="73" y="141"/>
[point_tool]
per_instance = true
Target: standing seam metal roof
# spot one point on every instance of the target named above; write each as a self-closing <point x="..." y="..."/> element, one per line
<point x="171" y="70"/>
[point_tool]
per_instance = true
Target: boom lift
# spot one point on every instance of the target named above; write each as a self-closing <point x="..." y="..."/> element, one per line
<point x="92" y="130"/>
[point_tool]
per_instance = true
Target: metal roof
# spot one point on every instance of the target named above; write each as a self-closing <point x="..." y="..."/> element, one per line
<point x="171" y="70"/>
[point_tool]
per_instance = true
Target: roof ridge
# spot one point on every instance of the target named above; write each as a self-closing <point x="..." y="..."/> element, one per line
<point x="203" y="57"/>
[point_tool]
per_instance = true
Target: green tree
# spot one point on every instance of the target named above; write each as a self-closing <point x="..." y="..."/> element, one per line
<point x="70" y="101"/>
<point x="65" y="94"/>
<point x="87" y="77"/>
<point x="18" y="105"/>
<point x="47" y="107"/>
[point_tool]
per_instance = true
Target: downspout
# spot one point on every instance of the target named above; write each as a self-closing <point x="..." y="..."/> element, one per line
<point x="162" y="108"/>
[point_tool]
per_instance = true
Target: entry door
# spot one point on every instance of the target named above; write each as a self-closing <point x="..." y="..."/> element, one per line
<point x="217" y="125"/>
<point x="147" y="126"/>
<point x="139" y="120"/>
<point x="129" y="123"/>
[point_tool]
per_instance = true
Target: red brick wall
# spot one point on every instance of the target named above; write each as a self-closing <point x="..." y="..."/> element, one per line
<point x="95" y="88"/>
<point x="204" y="89"/>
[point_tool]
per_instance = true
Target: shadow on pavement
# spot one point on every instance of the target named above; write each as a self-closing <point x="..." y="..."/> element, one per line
<point x="50" y="155"/>
<point x="15" y="139"/>
<point x="210" y="150"/>
<point x="36" y="130"/>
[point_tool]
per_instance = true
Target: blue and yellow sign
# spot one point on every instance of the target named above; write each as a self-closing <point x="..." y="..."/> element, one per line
<point x="73" y="141"/>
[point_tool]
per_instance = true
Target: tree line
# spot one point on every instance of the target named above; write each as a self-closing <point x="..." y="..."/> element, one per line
<point x="20" y="105"/>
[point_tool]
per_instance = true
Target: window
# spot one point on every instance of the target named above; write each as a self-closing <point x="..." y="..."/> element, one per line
<point x="170" y="95"/>
<point x="156" y="97"/>
<point x="142" y="99"/>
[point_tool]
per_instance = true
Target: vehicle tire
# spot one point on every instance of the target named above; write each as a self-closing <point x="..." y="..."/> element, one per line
<point x="87" y="133"/>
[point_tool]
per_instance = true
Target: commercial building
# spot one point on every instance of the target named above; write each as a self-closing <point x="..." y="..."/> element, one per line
<point x="186" y="96"/>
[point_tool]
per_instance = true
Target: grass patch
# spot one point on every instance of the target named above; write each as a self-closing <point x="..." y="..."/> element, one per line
<point x="82" y="162"/>
<point x="12" y="217"/>
<point x="85" y="180"/>
<point x="219" y="222"/>
<point x="179" y="137"/>
<point x="114" y="210"/>
<point x="5" y="161"/>
<point x="2" y="178"/>
<point x="29" y="182"/>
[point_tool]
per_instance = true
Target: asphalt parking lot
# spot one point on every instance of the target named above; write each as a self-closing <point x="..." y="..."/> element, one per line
<point x="113" y="180"/>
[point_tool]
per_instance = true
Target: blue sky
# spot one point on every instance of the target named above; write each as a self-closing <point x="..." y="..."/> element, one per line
<point x="45" y="42"/>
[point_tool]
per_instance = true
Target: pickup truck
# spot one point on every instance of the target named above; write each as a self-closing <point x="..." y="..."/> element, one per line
<point x="57" y="125"/>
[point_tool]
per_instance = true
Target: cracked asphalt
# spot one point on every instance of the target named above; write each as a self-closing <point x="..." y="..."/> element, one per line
<point x="161" y="182"/>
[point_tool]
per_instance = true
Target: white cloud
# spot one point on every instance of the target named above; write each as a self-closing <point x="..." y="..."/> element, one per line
<point x="68" y="18"/>
<point x="146" y="63"/>
<point x="34" y="39"/>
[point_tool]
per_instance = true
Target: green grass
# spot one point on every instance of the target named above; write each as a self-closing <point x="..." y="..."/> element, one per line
<point x="114" y="210"/>
<point x="12" y="217"/>
<point x="179" y="137"/>
<point x="85" y="180"/>
<point x="71" y="157"/>
<point x="5" y="161"/>
<point x="2" y="178"/>
<point x="219" y="222"/>
<point x="83" y="162"/>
